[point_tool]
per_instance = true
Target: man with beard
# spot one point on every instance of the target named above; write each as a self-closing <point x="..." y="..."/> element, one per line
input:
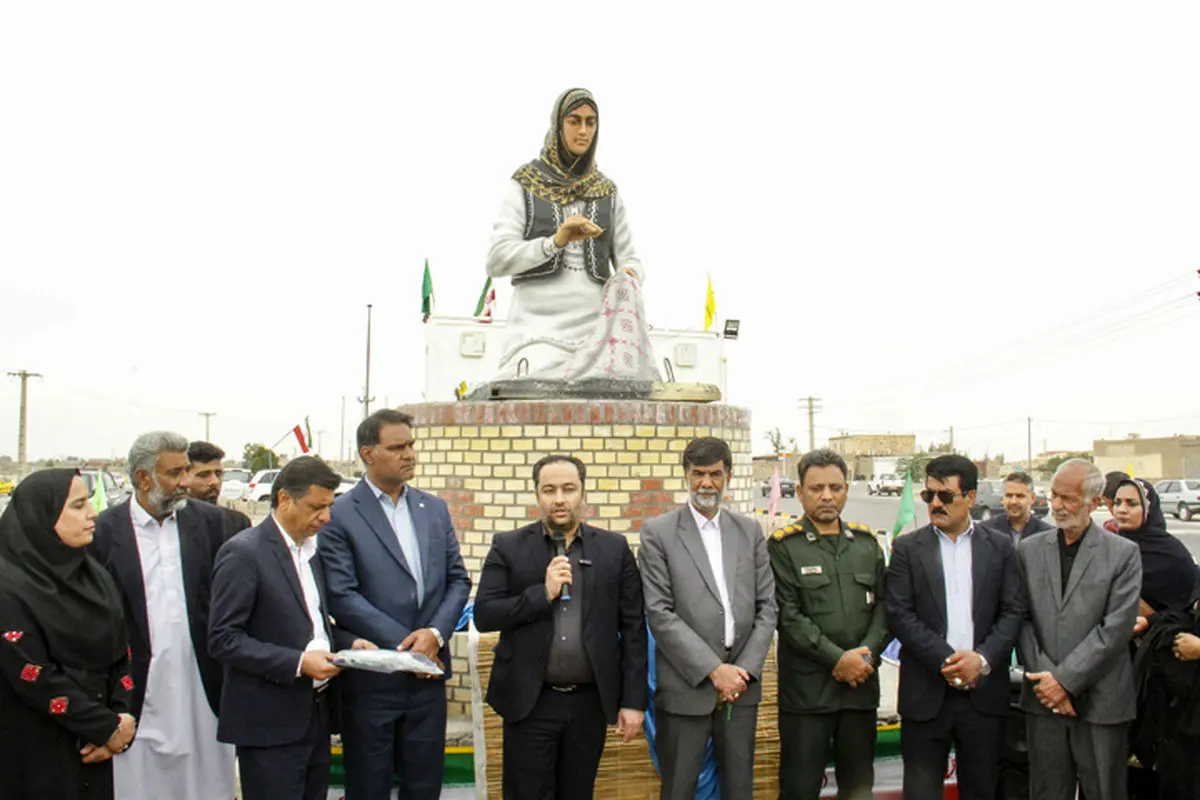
<point x="829" y="585"/>
<point x="710" y="602"/>
<point x="954" y="601"/>
<point x="160" y="549"/>
<point x="205" y="476"/>
<point x="1083" y="585"/>
<point x="567" y="600"/>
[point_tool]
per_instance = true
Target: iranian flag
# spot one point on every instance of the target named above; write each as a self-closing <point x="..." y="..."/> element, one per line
<point x="487" y="302"/>
<point x="303" y="436"/>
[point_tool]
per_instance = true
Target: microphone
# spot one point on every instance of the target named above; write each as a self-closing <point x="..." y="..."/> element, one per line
<point x="560" y="549"/>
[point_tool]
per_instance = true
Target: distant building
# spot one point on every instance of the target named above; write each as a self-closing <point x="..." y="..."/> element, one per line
<point x="850" y="446"/>
<point x="1152" y="459"/>
<point x="870" y="454"/>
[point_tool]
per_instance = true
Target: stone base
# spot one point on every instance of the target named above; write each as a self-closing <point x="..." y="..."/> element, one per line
<point x="479" y="457"/>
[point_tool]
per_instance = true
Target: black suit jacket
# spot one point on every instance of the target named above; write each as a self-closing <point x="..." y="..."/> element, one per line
<point x="258" y="631"/>
<point x="235" y="521"/>
<point x="916" y="604"/>
<point x="201" y="534"/>
<point x="512" y="599"/>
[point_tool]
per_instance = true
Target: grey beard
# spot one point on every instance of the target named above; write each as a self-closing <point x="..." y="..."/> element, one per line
<point x="165" y="505"/>
<point x="706" y="502"/>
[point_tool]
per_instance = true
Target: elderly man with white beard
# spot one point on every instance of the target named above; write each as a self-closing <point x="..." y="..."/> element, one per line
<point x="710" y="603"/>
<point x="1083" y="585"/>
<point x="160" y="548"/>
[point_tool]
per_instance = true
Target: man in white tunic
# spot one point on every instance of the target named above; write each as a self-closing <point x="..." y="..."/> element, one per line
<point x="160" y="549"/>
<point x="561" y="231"/>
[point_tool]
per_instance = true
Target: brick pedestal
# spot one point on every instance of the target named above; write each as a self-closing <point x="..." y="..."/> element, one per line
<point x="479" y="457"/>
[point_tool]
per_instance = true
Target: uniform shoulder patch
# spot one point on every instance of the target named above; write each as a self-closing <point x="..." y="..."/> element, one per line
<point x="855" y="526"/>
<point x="783" y="533"/>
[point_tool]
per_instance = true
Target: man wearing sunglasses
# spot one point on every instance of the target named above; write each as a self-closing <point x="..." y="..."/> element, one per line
<point x="954" y="601"/>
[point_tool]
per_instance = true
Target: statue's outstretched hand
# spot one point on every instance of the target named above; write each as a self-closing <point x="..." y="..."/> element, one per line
<point x="575" y="229"/>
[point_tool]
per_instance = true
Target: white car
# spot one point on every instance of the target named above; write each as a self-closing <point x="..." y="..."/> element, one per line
<point x="260" y="485"/>
<point x="259" y="489"/>
<point x="236" y="483"/>
<point x="1179" y="497"/>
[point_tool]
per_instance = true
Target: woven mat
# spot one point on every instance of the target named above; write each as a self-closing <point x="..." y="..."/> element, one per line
<point x="626" y="772"/>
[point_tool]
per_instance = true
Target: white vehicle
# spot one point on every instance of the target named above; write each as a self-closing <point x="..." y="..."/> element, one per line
<point x="235" y="484"/>
<point x="260" y="485"/>
<point x="259" y="490"/>
<point x="886" y="483"/>
<point x="1179" y="497"/>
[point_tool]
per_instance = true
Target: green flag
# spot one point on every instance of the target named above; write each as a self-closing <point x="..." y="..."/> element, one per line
<point x="483" y="297"/>
<point x="427" y="294"/>
<point x="907" y="514"/>
<point x="99" y="496"/>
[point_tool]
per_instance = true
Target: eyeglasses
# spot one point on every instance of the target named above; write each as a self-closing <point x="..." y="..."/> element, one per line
<point x="945" y="495"/>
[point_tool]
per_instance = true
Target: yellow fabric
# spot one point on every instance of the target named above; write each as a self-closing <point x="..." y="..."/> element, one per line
<point x="710" y="306"/>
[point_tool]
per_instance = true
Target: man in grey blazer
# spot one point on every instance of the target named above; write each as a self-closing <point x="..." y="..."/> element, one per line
<point x="1082" y="584"/>
<point x="710" y="602"/>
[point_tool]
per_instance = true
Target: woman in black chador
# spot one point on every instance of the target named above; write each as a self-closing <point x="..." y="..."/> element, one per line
<point x="64" y="661"/>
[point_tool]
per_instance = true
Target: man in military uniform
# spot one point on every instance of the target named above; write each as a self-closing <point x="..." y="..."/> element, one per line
<point x="829" y="585"/>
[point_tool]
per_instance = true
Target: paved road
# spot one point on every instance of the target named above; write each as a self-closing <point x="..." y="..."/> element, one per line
<point x="880" y="512"/>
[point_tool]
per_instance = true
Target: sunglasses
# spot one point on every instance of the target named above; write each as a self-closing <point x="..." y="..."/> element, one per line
<point x="945" y="495"/>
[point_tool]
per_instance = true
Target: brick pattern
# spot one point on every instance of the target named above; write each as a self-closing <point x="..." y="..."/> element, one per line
<point x="478" y="457"/>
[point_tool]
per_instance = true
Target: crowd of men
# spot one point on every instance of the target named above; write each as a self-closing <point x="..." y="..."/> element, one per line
<point x="233" y="630"/>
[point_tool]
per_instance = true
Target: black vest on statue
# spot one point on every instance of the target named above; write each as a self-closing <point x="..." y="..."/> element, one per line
<point x="543" y="218"/>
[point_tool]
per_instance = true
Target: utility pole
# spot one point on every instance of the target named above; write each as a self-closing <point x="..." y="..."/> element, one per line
<point x="24" y="375"/>
<point x="1029" y="441"/>
<point x="342" y="448"/>
<point x="951" y="438"/>
<point x="366" y="397"/>
<point x="208" y="415"/>
<point x="813" y="408"/>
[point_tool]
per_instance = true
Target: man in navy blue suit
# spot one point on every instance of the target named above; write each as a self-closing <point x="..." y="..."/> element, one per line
<point x="270" y="630"/>
<point x="395" y="578"/>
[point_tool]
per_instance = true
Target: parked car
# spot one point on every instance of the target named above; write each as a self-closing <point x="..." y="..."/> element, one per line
<point x="1179" y="497"/>
<point x="235" y="483"/>
<point x="7" y="485"/>
<point x="113" y="491"/>
<point x="989" y="501"/>
<point x="787" y="487"/>
<point x="886" y="484"/>
<point x="259" y="488"/>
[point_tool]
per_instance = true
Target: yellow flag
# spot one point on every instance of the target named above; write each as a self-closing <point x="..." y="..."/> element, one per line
<point x="710" y="306"/>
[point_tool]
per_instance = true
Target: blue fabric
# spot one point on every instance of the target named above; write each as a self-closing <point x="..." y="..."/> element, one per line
<point x="707" y="787"/>
<point x="467" y="615"/>
<point x="956" y="567"/>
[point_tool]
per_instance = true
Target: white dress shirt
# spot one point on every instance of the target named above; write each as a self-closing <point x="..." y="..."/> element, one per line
<point x="960" y="592"/>
<point x="710" y="535"/>
<point x="302" y="555"/>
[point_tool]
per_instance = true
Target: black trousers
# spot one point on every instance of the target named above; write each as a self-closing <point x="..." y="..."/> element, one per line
<point x="553" y="753"/>
<point x="297" y="771"/>
<point x="1014" y="757"/>
<point x="804" y="746"/>
<point x="925" y="747"/>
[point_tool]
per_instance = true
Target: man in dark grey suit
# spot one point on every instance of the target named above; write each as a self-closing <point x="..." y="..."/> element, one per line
<point x="954" y="602"/>
<point x="710" y="602"/>
<point x="1082" y="585"/>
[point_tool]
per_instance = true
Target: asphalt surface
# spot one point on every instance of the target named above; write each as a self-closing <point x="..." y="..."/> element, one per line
<point x="880" y="513"/>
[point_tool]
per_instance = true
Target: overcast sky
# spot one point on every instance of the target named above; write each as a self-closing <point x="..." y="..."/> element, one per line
<point x="927" y="214"/>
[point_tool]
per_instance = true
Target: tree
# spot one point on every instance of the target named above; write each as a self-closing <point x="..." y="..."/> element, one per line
<point x="914" y="465"/>
<point x="1052" y="464"/>
<point x="256" y="456"/>
<point x="778" y="445"/>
